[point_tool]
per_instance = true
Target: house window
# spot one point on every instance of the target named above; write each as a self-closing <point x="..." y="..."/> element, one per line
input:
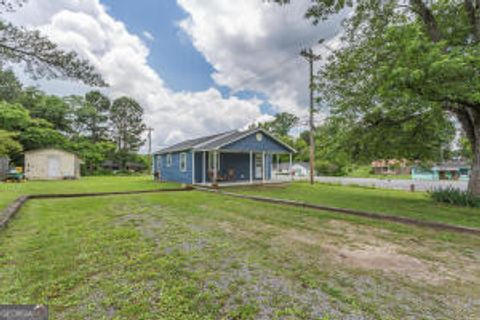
<point x="169" y="160"/>
<point x="183" y="162"/>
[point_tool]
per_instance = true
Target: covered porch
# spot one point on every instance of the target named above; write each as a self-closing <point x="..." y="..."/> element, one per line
<point x="227" y="168"/>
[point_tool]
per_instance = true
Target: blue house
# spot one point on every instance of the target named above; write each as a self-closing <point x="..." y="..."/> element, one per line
<point x="232" y="156"/>
<point x="451" y="170"/>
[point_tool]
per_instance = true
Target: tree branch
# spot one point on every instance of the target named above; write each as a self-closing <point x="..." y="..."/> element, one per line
<point x="428" y="19"/>
<point x="473" y="17"/>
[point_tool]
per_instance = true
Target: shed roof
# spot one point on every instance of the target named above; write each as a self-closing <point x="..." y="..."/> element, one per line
<point x="52" y="149"/>
<point x="217" y="141"/>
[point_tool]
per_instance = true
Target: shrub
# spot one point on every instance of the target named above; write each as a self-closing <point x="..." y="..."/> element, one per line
<point x="455" y="196"/>
<point x="329" y="168"/>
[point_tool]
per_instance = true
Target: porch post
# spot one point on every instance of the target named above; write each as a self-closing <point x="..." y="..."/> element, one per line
<point x="271" y="166"/>
<point x="251" y="170"/>
<point x="290" y="168"/>
<point x="193" y="167"/>
<point x="263" y="167"/>
<point x="204" y="177"/>
<point x="214" y="166"/>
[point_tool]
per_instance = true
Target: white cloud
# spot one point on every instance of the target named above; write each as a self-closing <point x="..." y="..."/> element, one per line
<point x="121" y="57"/>
<point x="148" y="35"/>
<point x="255" y="45"/>
<point x="252" y="45"/>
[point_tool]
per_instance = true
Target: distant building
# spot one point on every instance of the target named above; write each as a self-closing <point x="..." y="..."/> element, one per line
<point x="4" y="166"/>
<point x="390" y="167"/>
<point x="51" y="164"/>
<point x="110" y="165"/>
<point x="450" y="170"/>
<point x="301" y="169"/>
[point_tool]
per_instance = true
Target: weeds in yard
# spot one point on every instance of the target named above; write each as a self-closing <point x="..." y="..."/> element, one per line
<point x="455" y="196"/>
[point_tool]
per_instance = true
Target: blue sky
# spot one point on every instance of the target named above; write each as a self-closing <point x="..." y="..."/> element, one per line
<point x="172" y="55"/>
<point x="210" y="66"/>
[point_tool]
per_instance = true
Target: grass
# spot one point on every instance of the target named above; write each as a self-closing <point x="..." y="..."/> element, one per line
<point x="195" y="255"/>
<point x="415" y="205"/>
<point x="10" y="191"/>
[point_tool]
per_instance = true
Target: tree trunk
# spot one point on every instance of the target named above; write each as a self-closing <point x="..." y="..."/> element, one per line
<point x="469" y="118"/>
<point x="474" y="182"/>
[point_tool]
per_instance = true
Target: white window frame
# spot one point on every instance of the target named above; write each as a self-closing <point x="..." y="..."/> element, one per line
<point x="169" y="159"/>
<point x="182" y="163"/>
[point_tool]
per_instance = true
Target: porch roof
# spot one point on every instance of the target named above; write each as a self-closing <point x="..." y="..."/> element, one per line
<point x="217" y="141"/>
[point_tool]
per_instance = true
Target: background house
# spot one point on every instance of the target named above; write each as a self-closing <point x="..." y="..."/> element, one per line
<point x="51" y="164"/>
<point x="390" y="167"/>
<point x="450" y="170"/>
<point x="301" y="169"/>
<point x="225" y="157"/>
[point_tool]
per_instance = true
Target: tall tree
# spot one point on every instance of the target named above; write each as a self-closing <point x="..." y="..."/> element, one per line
<point x="282" y="124"/>
<point x="405" y="60"/>
<point x="126" y="116"/>
<point x="92" y="115"/>
<point x="10" y="87"/>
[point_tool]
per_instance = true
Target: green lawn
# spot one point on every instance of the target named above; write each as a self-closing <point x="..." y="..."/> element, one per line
<point x="195" y="255"/>
<point x="416" y="205"/>
<point x="10" y="191"/>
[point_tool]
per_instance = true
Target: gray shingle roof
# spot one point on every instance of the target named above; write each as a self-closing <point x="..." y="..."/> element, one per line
<point x="214" y="141"/>
<point x="190" y="144"/>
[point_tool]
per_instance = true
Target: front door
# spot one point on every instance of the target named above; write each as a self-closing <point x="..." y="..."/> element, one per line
<point x="53" y="167"/>
<point x="258" y="166"/>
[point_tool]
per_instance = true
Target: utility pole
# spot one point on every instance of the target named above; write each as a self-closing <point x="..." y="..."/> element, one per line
<point x="311" y="58"/>
<point x="150" y="129"/>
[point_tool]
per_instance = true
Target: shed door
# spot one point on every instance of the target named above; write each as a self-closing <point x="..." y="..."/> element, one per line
<point x="53" y="167"/>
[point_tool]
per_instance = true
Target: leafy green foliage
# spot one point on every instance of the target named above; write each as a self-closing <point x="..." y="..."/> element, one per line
<point x="13" y="117"/>
<point x="10" y="87"/>
<point x="8" y="144"/>
<point x="33" y="120"/>
<point x="93" y="154"/>
<point x="41" y="134"/>
<point x="455" y="196"/>
<point x="404" y="68"/>
<point x="282" y="124"/>
<point x="48" y="107"/>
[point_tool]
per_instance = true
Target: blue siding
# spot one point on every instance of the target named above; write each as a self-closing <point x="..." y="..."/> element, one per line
<point x="250" y="143"/>
<point x="173" y="173"/>
<point x="198" y="166"/>
<point x="236" y="161"/>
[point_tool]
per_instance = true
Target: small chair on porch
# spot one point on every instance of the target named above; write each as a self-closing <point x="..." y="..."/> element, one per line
<point x="231" y="174"/>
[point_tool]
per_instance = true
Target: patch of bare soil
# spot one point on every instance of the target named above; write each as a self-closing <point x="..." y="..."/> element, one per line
<point x="361" y="247"/>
